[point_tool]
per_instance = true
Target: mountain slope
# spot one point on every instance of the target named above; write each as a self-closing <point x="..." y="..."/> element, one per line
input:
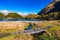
<point x="1" y="16"/>
<point x="13" y="16"/>
<point x="52" y="11"/>
<point x="32" y="16"/>
<point x="52" y="7"/>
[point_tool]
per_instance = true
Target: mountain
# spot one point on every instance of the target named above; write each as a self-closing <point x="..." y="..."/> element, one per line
<point x="52" y="7"/>
<point x="32" y="16"/>
<point x="13" y="16"/>
<point x="1" y="16"/>
<point x="52" y="10"/>
<point x="6" y="12"/>
<point x="9" y="15"/>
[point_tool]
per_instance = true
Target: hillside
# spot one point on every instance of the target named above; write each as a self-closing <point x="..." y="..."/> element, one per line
<point x="32" y="17"/>
<point x="52" y="11"/>
<point x="13" y="16"/>
<point x="1" y="16"/>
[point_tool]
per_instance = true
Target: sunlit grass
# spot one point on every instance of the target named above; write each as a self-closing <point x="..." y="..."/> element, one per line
<point x="52" y="33"/>
<point x="18" y="37"/>
<point x="7" y="38"/>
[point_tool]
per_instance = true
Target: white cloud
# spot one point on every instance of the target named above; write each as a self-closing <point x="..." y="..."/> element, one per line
<point x="22" y="13"/>
<point x="5" y="12"/>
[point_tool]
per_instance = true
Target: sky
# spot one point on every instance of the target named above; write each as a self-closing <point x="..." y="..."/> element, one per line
<point x="23" y="6"/>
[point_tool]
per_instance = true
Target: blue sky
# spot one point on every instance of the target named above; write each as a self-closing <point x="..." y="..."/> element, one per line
<point x="27" y="6"/>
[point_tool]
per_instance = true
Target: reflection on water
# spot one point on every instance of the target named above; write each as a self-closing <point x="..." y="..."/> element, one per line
<point x="21" y="20"/>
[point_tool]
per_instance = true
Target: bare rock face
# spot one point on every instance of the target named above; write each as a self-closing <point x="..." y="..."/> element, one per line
<point x="56" y="0"/>
<point x="52" y="7"/>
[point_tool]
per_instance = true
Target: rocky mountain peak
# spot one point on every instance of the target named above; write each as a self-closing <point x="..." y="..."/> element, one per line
<point x="56" y="0"/>
<point x="52" y="7"/>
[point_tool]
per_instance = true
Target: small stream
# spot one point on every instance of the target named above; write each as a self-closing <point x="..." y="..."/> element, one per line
<point x="29" y="27"/>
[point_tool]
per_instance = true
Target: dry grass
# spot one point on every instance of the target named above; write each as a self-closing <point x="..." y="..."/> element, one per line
<point x="43" y="24"/>
<point x="51" y="34"/>
<point x="18" y="37"/>
<point x="12" y="26"/>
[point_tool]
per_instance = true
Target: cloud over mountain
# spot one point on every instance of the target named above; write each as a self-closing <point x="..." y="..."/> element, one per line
<point x="5" y="12"/>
